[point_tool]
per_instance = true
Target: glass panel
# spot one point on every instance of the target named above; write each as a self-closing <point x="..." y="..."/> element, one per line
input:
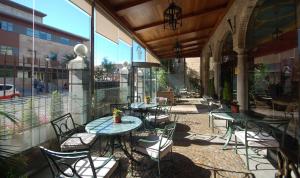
<point x="139" y="53"/>
<point x="34" y="71"/>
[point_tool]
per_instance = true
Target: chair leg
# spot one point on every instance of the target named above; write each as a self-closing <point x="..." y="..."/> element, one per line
<point x="235" y="144"/>
<point x="247" y="157"/>
<point x="208" y="120"/>
<point x="212" y="124"/>
<point x="158" y="166"/>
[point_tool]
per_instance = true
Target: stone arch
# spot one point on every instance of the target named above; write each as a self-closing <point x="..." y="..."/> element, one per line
<point x="219" y="46"/>
<point x="243" y="24"/>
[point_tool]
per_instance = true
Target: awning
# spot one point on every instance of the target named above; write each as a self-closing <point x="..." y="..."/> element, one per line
<point x="151" y="58"/>
<point x="83" y="5"/>
<point x="106" y="28"/>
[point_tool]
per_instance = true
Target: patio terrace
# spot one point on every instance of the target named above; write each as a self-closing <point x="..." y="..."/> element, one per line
<point x="224" y="72"/>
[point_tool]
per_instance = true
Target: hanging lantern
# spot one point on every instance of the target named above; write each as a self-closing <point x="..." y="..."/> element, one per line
<point x="172" y="16"/>
<point x="177" y="50"/>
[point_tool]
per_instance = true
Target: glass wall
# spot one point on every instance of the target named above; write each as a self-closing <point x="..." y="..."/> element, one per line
<point x="112" y="65"/>
<point x="34" y="78"/>
<point x="273" y="64"/>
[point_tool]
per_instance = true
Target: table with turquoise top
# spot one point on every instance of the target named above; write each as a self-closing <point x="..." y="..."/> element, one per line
<point x="115" y="131"/>
<point x="230" y="118"/>
<point x="142" y="105"/>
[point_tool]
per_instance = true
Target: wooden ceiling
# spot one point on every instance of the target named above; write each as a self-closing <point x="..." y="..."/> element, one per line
<point x="144" y="19"/>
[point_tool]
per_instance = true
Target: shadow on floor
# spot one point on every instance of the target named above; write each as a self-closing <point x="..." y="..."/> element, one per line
<point x="182" y="167"/>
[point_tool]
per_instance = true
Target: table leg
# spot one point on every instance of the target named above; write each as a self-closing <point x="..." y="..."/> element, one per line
<point x="230" y="132"/>
<point x="112" y="145"/>
<point x="124" y="149"/>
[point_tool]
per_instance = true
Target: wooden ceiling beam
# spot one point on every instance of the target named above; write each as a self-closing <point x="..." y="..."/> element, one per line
<point x="128" y="5"/>
<point x="181" y="41"/>
<point x="188" y="54"/>
<point x="108" y="9"/>
<point x="183" y="52"/>
<point x="171" y="47"/>
<point x="203" y="29"/>
<point x="205" y="12"/>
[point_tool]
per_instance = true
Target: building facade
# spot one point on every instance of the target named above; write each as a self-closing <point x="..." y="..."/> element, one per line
<point x="52" y="47"/>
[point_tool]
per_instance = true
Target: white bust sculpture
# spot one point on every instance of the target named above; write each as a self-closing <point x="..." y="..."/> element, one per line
<point x="79" y="62"/>
<point x="81" y="51"/>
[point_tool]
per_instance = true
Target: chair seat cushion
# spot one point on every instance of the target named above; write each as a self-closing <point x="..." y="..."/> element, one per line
<point x="159" y="118"/>
<point x="262" y="140"/>
<point x="83" y="167"/>
<point x="74" y="143"/>
<point x="152" y="149"/>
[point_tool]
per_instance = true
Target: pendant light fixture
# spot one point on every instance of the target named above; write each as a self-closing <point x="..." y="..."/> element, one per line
<point x="172" y="16"/>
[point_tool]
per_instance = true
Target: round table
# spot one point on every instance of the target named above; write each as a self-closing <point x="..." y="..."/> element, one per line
<point x="106" y="126"/>
<point x="142" y="105"/>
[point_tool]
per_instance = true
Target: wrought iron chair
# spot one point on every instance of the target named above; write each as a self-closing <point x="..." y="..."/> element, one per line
<point x="160" y="116"/>
<point x="69" y="136"/>
<point x="261" y="134"/>
<point x="79" y="164"/>
<point x="157" y="146"/>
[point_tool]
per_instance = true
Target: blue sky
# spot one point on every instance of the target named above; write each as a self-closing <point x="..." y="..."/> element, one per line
<point x="64" y="15"/>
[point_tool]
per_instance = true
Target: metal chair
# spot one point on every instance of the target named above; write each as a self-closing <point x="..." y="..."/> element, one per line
<point x="261" y="134"/>
<point x="69" y="135"/>
<point x="79" y="164"/>
<point x="161" y="115"/>
<point x="157" y="146"/>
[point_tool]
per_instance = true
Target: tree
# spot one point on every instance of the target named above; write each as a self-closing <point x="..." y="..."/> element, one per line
<point x="107" y="65"/>
<point x="68" y="57"/>
<point x="162" y="79"/>
<point x="99" y="73"/>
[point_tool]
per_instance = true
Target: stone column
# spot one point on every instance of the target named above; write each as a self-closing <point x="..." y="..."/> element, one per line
<point x="79" y="101"/>
<point x="205" y="74"/>
<point x="217" y="77"/>
<point x="242" y="80"/>
<point x="201" y="75"/>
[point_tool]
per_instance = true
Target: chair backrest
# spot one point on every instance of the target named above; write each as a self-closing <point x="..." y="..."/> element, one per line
<point x="63" y="126"/>
<point x="213" y="105"/>
<point x="59" y="162"/>
<point x="267" y="127"/>
<point x="168" y="133"/>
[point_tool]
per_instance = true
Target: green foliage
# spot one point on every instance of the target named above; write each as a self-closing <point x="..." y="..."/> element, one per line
<point x="29" y="116"/>
<point x="117" y="112"/>
<point x="211" y="88"/>
<point x="67" y="58"/>
<point x="99" y="73"/>
<point x="107" y="65"/>
<point x="227" y="95"/>
<point x="162" y="79"/>
<point x="56" y="105"/>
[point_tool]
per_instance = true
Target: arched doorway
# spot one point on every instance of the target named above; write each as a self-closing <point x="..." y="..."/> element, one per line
<point x="228" y="70"/>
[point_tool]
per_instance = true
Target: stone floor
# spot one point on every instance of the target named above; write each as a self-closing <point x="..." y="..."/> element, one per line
<point x="197" y="152"/>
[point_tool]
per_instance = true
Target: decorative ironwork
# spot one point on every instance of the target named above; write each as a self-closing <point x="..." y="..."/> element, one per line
<point x="172" y="16"/>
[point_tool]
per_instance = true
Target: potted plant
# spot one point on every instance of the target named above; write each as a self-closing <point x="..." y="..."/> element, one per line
<point x="234" y="107"/>
<point x="117" y="114"/>
<point x="226" y="94"/>
<point x="147" y="99"/>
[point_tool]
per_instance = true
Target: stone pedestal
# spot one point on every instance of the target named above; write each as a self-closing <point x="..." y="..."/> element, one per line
<point x="79" y="101"/>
